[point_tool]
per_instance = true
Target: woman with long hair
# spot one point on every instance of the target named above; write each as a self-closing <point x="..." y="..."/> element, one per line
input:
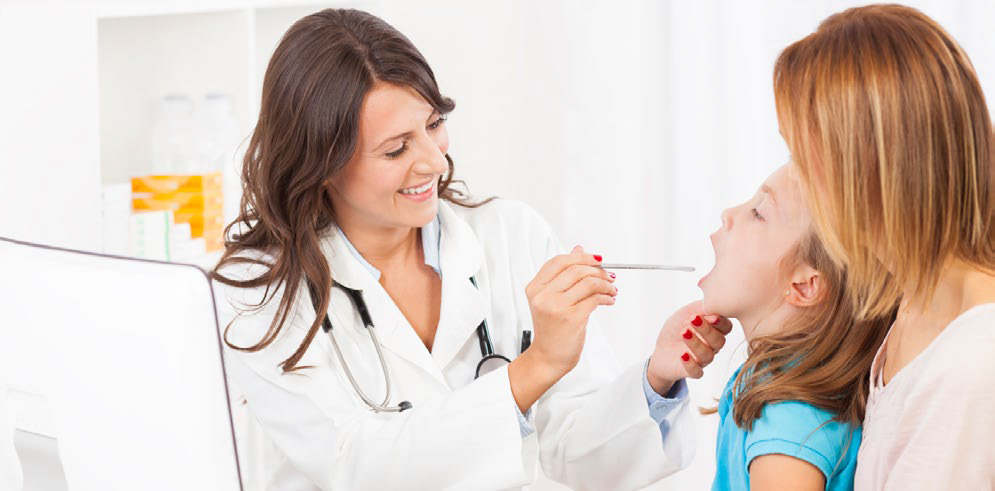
<point x="891" y="137"/>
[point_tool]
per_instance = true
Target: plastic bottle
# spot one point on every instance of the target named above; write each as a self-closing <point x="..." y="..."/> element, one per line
<point x="172" y="145"/>
<point x="217" y="134"/>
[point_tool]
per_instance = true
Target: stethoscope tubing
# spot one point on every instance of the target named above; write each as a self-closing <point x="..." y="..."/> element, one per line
<point x="483" y="336"/>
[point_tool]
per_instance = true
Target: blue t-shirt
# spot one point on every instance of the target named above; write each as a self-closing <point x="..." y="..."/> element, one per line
<point x="790" y="428"/>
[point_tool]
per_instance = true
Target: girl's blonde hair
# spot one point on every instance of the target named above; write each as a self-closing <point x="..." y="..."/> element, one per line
<point x="888" y="127"/>
<point x="822" y="357"/>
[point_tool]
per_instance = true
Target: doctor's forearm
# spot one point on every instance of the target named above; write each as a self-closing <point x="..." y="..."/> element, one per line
<point x="530" y="378"/>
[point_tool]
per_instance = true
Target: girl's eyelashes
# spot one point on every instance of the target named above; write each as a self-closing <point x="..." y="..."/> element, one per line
<point x="756" y="214"/>
<point x="438" y="122"/>
<point x="397" y="153"/>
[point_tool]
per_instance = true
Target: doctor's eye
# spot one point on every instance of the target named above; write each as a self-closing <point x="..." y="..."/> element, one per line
<point x="397" y="153"/>
<point x="438" y="122"/>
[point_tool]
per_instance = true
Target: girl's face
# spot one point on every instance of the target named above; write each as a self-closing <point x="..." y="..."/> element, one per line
<point x="392" y="179"/>
<point x="748" y="280"/>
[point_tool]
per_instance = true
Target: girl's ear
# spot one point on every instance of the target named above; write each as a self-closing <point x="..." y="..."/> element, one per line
<point x="806" y="287"/>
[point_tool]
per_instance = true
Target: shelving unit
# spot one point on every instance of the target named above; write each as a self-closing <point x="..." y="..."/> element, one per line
<point x="79" y="113"/>
<point x="144" y="55"/>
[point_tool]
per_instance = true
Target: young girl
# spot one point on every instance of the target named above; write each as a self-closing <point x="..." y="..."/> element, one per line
<point x="790" y="416"/>
<point x="889" y="128"/>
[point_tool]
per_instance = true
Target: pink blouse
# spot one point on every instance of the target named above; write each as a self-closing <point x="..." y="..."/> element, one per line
<point x="933" y="426"/>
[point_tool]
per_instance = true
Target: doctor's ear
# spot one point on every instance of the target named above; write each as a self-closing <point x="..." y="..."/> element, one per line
<point x="807" y="287"/>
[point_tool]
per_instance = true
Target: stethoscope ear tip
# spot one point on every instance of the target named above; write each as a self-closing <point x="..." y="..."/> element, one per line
<point x="404" y="406"/>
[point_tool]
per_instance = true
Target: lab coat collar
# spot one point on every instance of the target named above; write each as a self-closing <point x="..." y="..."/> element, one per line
<point x="429" y="242"/>
<point x="393" y="330"/>
<point x="346" y="269"/>
<point x="349" y="269"/>
<point x="463" y="306"/>
<point x="461" y="253"/>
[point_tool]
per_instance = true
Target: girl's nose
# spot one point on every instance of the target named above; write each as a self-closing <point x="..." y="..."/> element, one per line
<point x="726" y="217"/>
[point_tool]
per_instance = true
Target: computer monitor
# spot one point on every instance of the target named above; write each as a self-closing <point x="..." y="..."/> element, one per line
<point x="120" y="361"/>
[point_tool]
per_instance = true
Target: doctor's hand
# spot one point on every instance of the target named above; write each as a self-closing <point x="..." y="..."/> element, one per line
<point x="687" y="343"/>
<point x="561" y="298"/>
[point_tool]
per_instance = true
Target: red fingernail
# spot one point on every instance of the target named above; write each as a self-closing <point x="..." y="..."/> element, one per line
<point x="686" y="357"/>
<point x="688" y="335"/>
<point x="612" y="275"/>
<point x="696" y="322"/>
<point x="597" y="257"/>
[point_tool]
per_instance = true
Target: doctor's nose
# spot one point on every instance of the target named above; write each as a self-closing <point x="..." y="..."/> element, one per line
<point x="431" y="160"/>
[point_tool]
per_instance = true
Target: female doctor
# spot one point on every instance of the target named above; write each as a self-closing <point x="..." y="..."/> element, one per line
<point x="387" y="333"/>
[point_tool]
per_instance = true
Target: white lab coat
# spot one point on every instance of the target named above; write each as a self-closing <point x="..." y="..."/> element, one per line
<point x="310" y="430"/>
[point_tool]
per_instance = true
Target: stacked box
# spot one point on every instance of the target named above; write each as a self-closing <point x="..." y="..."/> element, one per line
<point x="193" y="198"/>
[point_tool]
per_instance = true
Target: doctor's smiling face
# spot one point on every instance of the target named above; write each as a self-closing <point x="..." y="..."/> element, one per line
<point x="392" y="179"/>
<point x="750" y="278"/>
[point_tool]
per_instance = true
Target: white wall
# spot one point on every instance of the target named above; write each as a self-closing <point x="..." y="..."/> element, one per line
<point x="47" y="136"/>
<point x="628" y="124"/>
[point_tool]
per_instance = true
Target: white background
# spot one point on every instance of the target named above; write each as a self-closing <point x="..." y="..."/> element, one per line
<point x="629" y="125"/>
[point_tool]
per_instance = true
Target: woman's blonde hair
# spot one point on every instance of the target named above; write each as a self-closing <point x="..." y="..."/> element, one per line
<point x="888" y="127"/>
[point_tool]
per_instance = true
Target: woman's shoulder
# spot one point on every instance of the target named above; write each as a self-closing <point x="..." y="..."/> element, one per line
<point x="246" y="313"/>
<point x="512" y="224"/>
<point x="245" y="264"/>
<point x="960" y="360"/>
<point x="256" y="303"/>
<point x="500" y="211"/>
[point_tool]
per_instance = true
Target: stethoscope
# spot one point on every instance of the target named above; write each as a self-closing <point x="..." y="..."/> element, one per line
<point x="489" y="361"/>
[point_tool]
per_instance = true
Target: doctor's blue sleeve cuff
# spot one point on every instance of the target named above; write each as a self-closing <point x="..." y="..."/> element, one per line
<point x="661" y="406"/>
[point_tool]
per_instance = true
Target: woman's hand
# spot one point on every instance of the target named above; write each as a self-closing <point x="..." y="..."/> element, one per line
<point x="687" y="343"/>
<point x="561" y="298"/>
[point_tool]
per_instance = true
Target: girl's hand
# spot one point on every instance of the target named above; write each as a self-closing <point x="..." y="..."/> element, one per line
<point x="687" y="343"/>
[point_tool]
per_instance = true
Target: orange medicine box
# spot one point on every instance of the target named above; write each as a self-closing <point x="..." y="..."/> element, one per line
<point x="171" y="183"/>
<point x="179" y="199"/>
<point x="194" y="198"/>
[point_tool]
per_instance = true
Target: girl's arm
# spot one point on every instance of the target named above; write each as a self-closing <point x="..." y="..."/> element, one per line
<point x="776" y="471"/>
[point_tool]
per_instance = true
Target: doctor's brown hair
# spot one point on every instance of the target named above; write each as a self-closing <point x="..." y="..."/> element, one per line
<point x="888" y="126"/>
<point x="307" y="131"/>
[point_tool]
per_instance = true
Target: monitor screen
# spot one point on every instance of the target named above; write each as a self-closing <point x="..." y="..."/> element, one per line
<point x="119" y="360"/>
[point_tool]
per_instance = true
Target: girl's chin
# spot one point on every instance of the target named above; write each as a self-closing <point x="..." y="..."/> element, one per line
<point x="703" y="281"/>
<point x="711" y="301"/>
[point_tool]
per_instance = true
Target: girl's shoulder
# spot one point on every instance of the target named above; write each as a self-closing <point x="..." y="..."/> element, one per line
<point x="794" y="421"/>
<point x="798" y="421"/>
<point x="806" y="432"/>
<point x="797" y="429"/>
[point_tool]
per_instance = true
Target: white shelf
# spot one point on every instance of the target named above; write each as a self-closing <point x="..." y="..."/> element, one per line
<point x="141" y="59"/>
<point x="145" y="55"/>
<point x="85" y="108"/>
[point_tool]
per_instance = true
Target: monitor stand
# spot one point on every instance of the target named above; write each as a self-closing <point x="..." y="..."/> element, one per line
<point x="40" y="462"/>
